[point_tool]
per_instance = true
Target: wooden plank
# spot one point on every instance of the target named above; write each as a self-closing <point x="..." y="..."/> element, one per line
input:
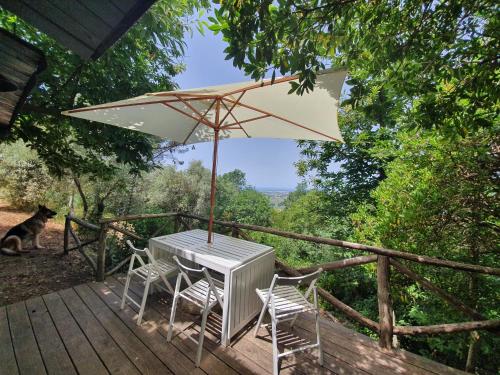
<point x="68" y="21"/>
<point x="90" y="21"/>
<point x="352" y="340"/>
<point x="110" y="353"/>
<point x="159" y="311"/>
<point x="35" y="17"/>
<point x="7" y="356"/>
<point x="105" y="10"/>
<point x="136" y="351"/>
<point x="174" y="359"/>
<point x="28" y="357"/>
<point x="53" y="352"/>
<point x="79" y="349"/>
<point x="209" y="363"/>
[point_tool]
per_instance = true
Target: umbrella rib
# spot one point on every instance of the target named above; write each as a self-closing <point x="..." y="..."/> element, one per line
<point x="228" y="126"/>
<point x="229" y="111"/>
<point x="198" y="123"/>
<point x="262" y="84"/>
<point x="204" y="122"/>
<point x="234" y="118"/>
<point x="94" y="108"/>
<point x="191" y="107"/>
<point x="283" y="119"/>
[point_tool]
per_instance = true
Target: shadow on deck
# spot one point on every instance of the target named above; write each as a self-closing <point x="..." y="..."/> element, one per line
<point x="82" y="330"/>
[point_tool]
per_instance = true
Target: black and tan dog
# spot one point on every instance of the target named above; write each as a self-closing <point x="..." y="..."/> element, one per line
<point x="30" y="229"/>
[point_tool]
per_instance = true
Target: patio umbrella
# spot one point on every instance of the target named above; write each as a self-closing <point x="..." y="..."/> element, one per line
<point x="241" y="110"/>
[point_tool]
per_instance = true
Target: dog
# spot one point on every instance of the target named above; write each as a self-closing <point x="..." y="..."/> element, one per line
<point x="30" y="229"/>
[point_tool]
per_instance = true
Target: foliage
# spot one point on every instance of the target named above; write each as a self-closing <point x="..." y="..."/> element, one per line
<point x="440" y="198"/>
<point x="26" y="182"/>
<point x="434" y="62"/>
<point x="143" y="60"/>
<point x="249" y="207"/>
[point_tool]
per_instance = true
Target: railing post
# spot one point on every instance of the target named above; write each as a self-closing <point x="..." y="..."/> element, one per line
<point x="384" y="303"/>
<point x="177" y="223"/>
<point x="67" y="226"/>
<point x="101" y="252"/>
<point x="235" y="232"/>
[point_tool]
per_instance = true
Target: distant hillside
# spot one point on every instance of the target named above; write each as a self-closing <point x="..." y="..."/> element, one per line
<point x="276" y="195"/>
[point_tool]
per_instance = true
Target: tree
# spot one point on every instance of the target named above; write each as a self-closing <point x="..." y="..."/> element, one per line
<point x="249" y="207"/>
<point x="435" y="61"/>
<point x="440" y="198"/>
<point x="144" y="60"/>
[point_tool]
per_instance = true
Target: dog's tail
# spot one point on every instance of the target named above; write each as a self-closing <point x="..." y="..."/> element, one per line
<point x="7" y="251"/>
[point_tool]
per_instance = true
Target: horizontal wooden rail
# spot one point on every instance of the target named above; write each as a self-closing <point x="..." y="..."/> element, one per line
<point x="118" y="266"/>
<point x="423" y="259"/>
<point x="136" y="217"/>
<point x="135" y="236"/>
<point x="83" y="223"/>
<point x="448" y="328"/>
<point x="83" y="244"/>
<point x="344" y="263"/>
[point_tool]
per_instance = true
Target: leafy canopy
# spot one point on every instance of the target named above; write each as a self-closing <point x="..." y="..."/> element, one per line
<point x="143" y="60"/>
<point x="436" y="61"/>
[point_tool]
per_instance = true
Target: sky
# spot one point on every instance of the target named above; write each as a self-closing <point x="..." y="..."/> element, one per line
<point x="266" y="162"/>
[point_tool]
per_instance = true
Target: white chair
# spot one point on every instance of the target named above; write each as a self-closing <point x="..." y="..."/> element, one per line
<point x="150" y="272"/>
<point x="204" y="293"/>
<point x="285" y="302"/>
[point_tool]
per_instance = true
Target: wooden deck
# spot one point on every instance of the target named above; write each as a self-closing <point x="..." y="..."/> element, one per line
<point x="83" y="331"/>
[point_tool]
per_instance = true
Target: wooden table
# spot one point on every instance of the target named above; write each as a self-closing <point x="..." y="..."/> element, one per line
<point x="245" y="266"/>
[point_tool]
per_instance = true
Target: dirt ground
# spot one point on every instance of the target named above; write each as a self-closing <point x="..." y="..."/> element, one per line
<point x="39" y="271"/>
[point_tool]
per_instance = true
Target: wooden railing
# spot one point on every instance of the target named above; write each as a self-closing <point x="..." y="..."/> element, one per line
<point x="384" y="258"/>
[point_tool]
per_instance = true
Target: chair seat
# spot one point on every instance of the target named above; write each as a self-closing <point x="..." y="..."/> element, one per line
<point x="197" y="293"/>
<point x="164" y="267"/>
<point x="287" y="300"/>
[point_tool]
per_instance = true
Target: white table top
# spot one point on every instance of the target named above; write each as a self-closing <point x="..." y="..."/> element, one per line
<point x="223" y="254"/>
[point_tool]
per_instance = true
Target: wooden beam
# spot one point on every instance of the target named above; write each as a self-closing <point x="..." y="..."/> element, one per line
<point x="101" y="252"/>
<point x="384" y="302"/>
<point x="423" y="259"/>
<point x="448" y="328"/>
<point x="356" y="261"/>
<point x="135" y="236"/>
<point x="136" y="217"/>
<point x="452" y="300"/>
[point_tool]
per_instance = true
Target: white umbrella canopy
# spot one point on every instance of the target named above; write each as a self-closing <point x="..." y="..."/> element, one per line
<point x="240" y="110"/>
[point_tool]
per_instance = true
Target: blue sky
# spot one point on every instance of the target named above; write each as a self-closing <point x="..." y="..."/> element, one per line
<point x="266" y="162"/>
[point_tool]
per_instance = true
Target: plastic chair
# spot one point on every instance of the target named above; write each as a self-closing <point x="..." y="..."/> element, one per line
<point x="204" y="293"/>
<point x="150" y="272"/>
<point x="285" y="302"/>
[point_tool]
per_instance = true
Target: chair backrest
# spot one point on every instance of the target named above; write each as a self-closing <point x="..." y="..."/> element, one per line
<point x="139" y="253"/>
<point x="185" y="271"/>
<point x="309" y="279"/>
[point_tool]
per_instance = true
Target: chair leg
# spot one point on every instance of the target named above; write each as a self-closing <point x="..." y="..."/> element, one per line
<point x="318" y="337"/>
<point x="143" y="303"/>
<point x="259" y="321"/>
<point x="125" y="290"/>
<point x="202" y="336"/>
<point x="172" y="318"/>
<point x="292" y="322"/>
<point x="275" y="348"/>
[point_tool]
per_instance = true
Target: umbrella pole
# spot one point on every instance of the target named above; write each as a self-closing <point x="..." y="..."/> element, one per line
<point x="214" y="173"/>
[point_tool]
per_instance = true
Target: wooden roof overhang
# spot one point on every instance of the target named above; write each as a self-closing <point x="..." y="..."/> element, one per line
<point x="20" y="62"/>
<point x="88" y="28"/>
